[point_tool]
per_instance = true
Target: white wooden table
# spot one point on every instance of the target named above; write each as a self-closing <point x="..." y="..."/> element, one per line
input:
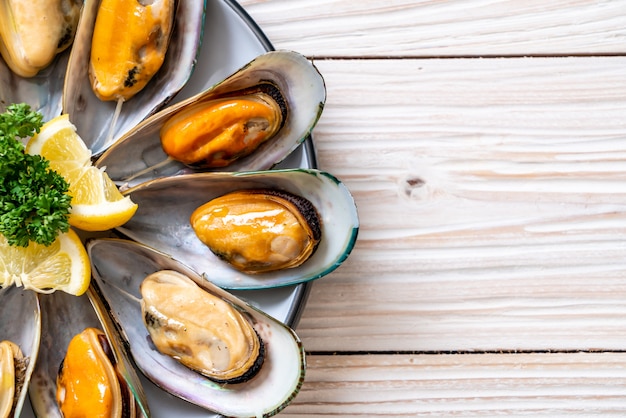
<point x="484" y="142"/>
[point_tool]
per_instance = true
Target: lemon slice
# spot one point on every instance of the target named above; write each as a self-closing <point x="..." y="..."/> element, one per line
<point x="63" y="265"/>
<point x="97" y="204"/>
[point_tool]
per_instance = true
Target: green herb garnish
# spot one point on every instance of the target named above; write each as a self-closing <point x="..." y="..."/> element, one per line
<point x="34" y="204"/>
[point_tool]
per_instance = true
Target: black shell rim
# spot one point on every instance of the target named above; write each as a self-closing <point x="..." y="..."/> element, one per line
<point x="270" y="89"/>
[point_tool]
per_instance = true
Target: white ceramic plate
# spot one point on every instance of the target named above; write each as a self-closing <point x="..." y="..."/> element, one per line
<point x="231" y="39"/>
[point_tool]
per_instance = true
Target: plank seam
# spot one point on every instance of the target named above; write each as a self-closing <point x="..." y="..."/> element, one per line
<point x="485" y="56"/>
<point x="459" y="352"/>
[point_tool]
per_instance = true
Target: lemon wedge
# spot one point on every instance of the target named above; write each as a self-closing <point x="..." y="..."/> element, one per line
<point x="97" y="204"/>
<point x="63" y="265"/>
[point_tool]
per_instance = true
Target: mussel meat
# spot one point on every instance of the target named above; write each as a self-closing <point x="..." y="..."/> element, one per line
<point x="12" y="371"/>
<point x="259" y="230"/>
<point x="88" y="382"/>
<point x="124" y="60"/>
<point x="203" y="332"/>
<point x="33" y="32"/>
<point x="217" y="132"/>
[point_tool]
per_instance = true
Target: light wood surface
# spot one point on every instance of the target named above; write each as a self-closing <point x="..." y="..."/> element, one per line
<point x="484" y="142"/>
<point x="401" y="28"/>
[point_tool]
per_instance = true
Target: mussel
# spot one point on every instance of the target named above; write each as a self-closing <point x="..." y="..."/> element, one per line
<point x="218" y="132"/>
<point x="121" y="266"/>
<point x="99" y="122"/>
<point x="202" y="331"/>
<point x="12" y="371"/>
<point x="88" y="382"/>
<point x="20" y="333"/>
<point x="32" y="33"/>
<point x="259" y="230"/>
<point x="82" y="351"/>
<point x="165" y="206"/>
<point x="252" y="120"/>
<point x="124" y="61"/>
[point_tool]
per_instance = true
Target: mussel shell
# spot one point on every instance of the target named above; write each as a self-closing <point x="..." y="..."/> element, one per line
<point x="92" y="116"/>
<point x="119" y="267"/>
<point x="63" y="317"/>
<point x="21" y="324"/>
<point x="165" y="205"/>
<point x="43" y="92"/>
<point x="301" y="85"/>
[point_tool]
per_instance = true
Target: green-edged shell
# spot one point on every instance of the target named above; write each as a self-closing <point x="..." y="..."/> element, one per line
<point x="120" y="266"/>
<point x="162" y="221"/>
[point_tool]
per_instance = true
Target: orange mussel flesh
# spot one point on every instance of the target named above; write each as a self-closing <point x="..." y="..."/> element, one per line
<point x="259" y="230"/>
<point x="220" y="131"/>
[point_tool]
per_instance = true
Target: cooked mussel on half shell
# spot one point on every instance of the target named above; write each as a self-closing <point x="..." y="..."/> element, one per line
<point x="194" y="339"/>
<point x="32" y="33"/>
<point x="83" y="369"/>
<point x="232" y="226"/>
<point x="252" y="120"/>
<point x="123" y="61"/>
<point x="12" y="370"/>
<point x="20" y="334"/>
<point x="119" y="76"/>
<point x="35" y="37"/>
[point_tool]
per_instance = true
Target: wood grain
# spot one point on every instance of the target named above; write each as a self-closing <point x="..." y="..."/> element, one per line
<point x="492" y="201"/>
<point x="489" y="277"/>
<point x="419" y="28"/>
<point x="538" y="385"/>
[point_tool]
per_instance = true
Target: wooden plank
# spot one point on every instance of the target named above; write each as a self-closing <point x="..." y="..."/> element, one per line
<point x="401" y="28"/>
<point x="492" y="200"/>
<point x="538" y="385"/>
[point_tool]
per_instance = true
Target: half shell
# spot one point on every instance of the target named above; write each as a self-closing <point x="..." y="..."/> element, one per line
<point x="65" y="316"/>
<point x="139" y="156"/>
<point x="21" y="324"/>
<point x="166" y="204"/>
<point x="93" y="117"/>
<point x="42" y="92"/>
<point x="120" y="266"/>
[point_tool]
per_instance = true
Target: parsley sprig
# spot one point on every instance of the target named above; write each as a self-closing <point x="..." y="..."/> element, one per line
<point x="34" y="204"/>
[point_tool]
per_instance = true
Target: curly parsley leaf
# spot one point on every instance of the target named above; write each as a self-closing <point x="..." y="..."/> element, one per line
<point x="34" y="200"/>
